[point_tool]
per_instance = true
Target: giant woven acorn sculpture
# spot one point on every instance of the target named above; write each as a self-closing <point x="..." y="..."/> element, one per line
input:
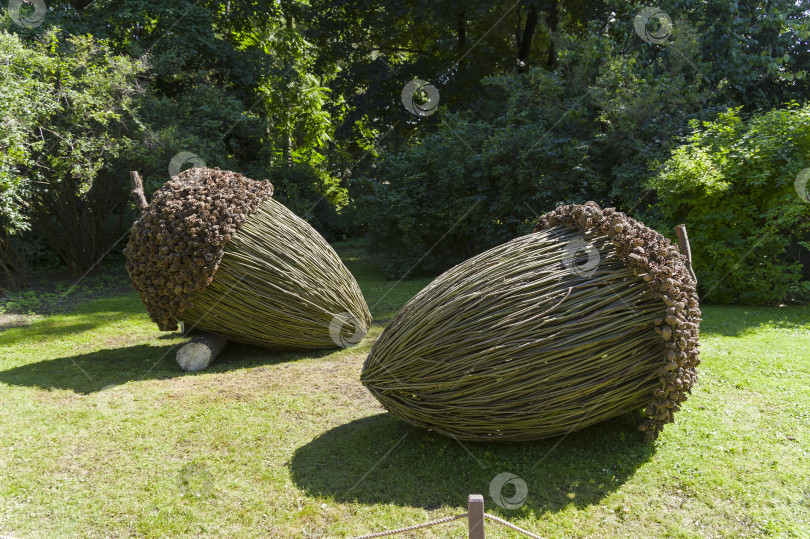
<point x="592" y="316"/>
<point x="215" y="251"/>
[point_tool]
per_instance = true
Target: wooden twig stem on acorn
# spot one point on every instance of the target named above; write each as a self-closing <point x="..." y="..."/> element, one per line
<point x="683" y="241"/>
<point x="137" y="191"/>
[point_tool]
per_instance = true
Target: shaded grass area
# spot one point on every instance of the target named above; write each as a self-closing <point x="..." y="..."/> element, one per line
<point x="425" y="470"/>
<point x="55" y="291"/>
<point x="101" y="435"/>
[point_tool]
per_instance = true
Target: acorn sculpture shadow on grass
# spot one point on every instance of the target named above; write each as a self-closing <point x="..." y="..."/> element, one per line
<point x="592" y="316"/>
<point x="216" y="252"/>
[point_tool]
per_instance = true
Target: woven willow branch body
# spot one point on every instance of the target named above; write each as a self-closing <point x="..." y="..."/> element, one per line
<point x="515" y="344"/>
<point x="279" y="285"/>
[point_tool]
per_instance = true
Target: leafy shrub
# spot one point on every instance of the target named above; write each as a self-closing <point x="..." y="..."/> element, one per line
<point x="432" y="198"/>
<point x="732" y="184"/>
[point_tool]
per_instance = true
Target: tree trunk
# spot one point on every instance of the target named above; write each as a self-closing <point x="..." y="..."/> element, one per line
<point x="200" y="351"/>
<point x="525" y="44"/>
<point x="461" y="30"/>
<point x="288" y="147"/>
<point x="553" y="21"/>
<point x="288" y="143"/>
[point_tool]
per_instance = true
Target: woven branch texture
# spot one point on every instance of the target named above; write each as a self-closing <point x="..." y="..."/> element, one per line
<point x="592" y="316"/>
<point x="214" y="250"/>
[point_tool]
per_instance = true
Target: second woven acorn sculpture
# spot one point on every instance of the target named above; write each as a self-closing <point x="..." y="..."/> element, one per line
<point x="592" y="316"/>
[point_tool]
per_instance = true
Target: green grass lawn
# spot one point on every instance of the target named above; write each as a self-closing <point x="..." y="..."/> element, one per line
<point x="102" y="435"/>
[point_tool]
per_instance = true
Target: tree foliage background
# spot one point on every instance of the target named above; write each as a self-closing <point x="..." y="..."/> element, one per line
<point x="541" y="102"/>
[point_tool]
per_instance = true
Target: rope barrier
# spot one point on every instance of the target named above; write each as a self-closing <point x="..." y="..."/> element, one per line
<point x="414" y="527"/>
<point x="510" y="525"/>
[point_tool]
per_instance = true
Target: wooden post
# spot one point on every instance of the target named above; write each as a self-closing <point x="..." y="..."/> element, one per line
<point x="683" y="240"/>
<point x="475" y="515"/>
<point x="137" y="191"/>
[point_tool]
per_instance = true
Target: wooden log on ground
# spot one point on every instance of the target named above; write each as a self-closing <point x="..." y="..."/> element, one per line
<point x="200" y="351"/>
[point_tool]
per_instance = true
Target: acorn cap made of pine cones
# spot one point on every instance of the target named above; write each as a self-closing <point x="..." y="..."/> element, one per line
<point x="592" y="316"/>
<point x="216" y="251"/>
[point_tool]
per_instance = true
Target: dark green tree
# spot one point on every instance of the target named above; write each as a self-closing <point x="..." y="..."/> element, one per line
<point x="62" y="171"/>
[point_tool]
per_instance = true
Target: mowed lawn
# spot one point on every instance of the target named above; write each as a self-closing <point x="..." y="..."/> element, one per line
<point x="102" y="435"/>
